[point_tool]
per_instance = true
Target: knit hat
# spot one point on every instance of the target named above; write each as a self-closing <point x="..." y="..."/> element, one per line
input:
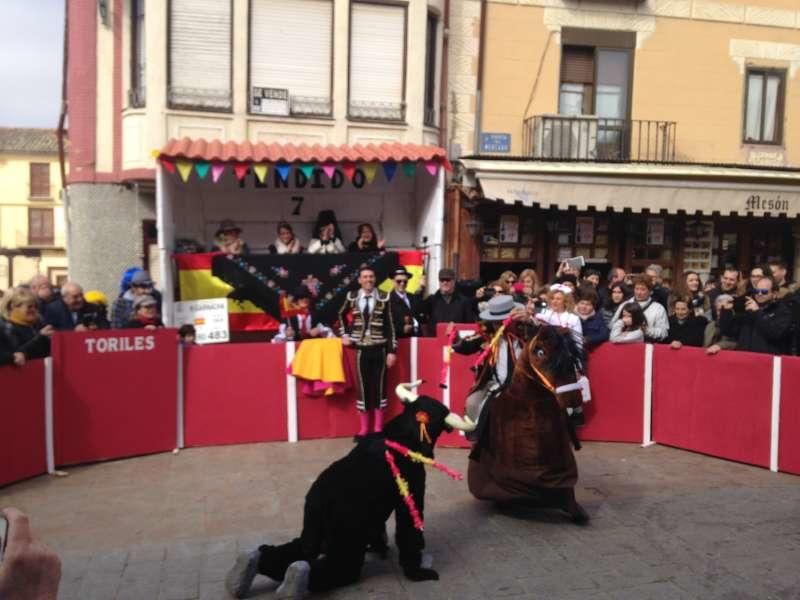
<point x="146" y="300"/>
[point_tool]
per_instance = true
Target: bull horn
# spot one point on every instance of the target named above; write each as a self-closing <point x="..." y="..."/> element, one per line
<point x="462" y="424"/>
<point x="405" y="391"/>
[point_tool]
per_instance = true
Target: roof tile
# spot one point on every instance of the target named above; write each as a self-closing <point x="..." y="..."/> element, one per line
<point x="214" y="150"/>
<point x="28" y="140"/>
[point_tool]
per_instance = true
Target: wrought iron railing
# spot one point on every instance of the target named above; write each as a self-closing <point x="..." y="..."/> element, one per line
<point x="587" y="138"/>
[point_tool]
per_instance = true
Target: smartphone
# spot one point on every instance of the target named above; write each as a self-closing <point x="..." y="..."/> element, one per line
<point x="738" y="304"/>
<point x="3" y="535"/>
<point x="577" y="263"/>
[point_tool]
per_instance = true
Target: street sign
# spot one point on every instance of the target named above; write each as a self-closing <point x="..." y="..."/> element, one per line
<point x="209" y="317"/>
<point x="495" y="142"/>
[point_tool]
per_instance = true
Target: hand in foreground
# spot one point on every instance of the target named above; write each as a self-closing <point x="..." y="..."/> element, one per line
<point x="81" y="327"/>
<point x="19" y="359"/>
<point x="47" y="330"/>
<point x="29" y="570"/>
<point x="713" y="349"/>
<point x="751" y="305"/>
<point x="675" y="345"/>
<point x="346" y="341"/>
<point x="390" y="360"/>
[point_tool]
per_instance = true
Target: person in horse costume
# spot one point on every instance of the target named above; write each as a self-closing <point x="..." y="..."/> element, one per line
<point x="347" y="507"/>
<point x="526" y="381"/>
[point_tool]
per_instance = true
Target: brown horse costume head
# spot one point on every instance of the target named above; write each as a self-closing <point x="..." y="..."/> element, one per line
<point x="526" y="453"/>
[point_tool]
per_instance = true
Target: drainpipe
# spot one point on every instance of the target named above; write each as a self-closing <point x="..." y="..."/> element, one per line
<point x="443" y="91"/>
<point x="479" y="93"/>
<point x="60" y="133"/>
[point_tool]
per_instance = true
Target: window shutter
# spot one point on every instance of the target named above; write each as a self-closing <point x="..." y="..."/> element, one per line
<point x="200" y="54"/>
<point x="377" y="56"/>
<point x="290" y="48"/>
<point x="40" y="180"/>
<point x="40" y="227"/>
<point x="577" y="64"/>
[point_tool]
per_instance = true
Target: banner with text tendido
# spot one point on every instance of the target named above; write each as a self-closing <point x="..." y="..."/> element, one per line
<point x="114" y="393"/>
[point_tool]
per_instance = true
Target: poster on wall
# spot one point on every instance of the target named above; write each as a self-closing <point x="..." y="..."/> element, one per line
<point x="209" y="317"/>
<point x="584" y="230"/>
<point x="509" y="229"/>
<point x="655" y="232"/>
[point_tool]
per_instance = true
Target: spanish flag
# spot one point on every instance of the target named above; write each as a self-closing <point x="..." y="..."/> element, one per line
<point x="197" y="283"/>
<point x="414" y="262"/>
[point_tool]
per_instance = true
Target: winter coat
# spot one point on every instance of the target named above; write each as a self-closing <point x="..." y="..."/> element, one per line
<point x="767" y="330"/>
<point x="656" y="317"/>
<point x="21" y="338"/>
<point x="689" y="332"/>
<point x="595" y="331"/>
<point x="439" y="309"/>
<point x="618" y="336"/>
<point x="122" y="311"/>
<point x="61" y="318"/>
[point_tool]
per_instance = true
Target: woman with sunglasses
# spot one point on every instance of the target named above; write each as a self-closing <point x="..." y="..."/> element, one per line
<point x="406" y="308"/>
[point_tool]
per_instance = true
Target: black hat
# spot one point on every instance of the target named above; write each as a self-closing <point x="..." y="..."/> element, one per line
<point x="326" y="217"/>
<point x="447" y="274"/>
<point x="227" y="226"/>
<point x="401" y="271"/>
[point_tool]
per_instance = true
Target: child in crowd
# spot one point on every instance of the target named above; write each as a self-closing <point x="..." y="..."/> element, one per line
<point x="299" y="324"/>
<point x="594" y="329"/>
<point x="187" y="335"/>
<point x="631" y="327"/>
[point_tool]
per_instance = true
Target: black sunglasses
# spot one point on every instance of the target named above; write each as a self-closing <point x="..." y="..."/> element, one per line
<point x="761" y="291"/>
<point x="445" y="280"/>
<point x="403" y="281"/>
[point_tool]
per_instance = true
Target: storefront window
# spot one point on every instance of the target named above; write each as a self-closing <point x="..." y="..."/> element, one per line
<point x="652" y="240"/>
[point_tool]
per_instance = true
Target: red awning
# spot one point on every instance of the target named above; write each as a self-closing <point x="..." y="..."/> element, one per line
<point x="214" y="150"/>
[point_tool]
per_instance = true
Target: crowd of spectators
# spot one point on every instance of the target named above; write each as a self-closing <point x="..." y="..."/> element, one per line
<point x="31" y="313"/>
<point x="756" y="311"/>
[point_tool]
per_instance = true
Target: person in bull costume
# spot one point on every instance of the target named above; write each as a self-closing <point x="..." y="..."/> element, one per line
<point x="366" y="324"/>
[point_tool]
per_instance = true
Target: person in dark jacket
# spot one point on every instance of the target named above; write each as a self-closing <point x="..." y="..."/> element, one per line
<point x="21" y="336"/>
<point x="659" y="293"/>
<point x="73" y="313"/>
<point x="685" y="327"/>
<point x="405" y="307"/>
<point x="145" y="314"/>
<point x="595" y="330"/>
<point x="765" y="325"/>
<point x="43" y="290"/>
<point x="619" y="293"/>
<point x="447" y="305"/>
<point x="366" y="240"/>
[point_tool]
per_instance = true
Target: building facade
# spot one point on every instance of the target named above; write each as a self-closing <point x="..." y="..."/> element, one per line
<point x="32" y="219"/>
<point x="286" y="72"/>
<point x="632" y="132"/>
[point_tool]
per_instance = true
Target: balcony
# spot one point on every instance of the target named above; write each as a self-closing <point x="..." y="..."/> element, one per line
<point x="594" y="139"/>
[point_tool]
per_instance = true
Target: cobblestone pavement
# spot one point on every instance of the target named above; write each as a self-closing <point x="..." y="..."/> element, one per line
<point x="665" y="524"/>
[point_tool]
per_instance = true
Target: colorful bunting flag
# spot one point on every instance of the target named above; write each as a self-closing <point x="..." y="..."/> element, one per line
<point x="432" y="167"/>
<point x="201" y="169"/>
<point x="349" y="169"/>
<point x="217" y="169"/>
<point x="261" y="171"/>
<point x="369" y="170"/>
<point x="283" y="171"/>
<point x="330" y="169"/>
<point x="240" y="170"/>
<point x="167" y="164"/>
<point x="389" y="169"/>
<point x="185" y="169"/>
<point x="409" y="168"/>
<point x="308" y="170"/>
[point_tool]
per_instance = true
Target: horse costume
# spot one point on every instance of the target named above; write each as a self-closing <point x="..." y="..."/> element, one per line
<point x="523" y="453"/>
<point x="347" y="507"/>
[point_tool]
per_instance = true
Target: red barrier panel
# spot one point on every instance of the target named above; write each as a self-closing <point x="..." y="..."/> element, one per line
<point x="22" y="424"/>
<point x="616" y="377"/>
<point x="789" y="435"/>
<point x="336" y="416"/>
<point x="234" y="394"/>
<point x="719" y="405"/>
<point x="114" y="394"/>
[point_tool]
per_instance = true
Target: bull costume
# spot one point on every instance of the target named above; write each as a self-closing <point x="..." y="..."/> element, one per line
<point x="522" y="453"/>
<point x="366" y="324"/>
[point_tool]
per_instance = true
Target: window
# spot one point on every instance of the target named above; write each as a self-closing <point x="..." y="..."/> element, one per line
<point x="430" y="69"/>
<point x="377" y="61"/>
<point x="40" y="180"/>
<point x="594" y="81"/>
<point x="764" y="98"/>
<point x="200" y="54"/>
<point x="136" y="95"/>
<point x="40" y="227"/>
<point x="290" y="65"/>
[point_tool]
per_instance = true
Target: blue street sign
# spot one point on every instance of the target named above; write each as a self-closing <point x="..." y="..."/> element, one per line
<point x="495" y="142"/>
